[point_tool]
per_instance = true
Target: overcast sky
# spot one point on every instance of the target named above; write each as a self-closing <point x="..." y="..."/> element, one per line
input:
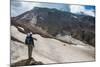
<point x="18" y="8"/>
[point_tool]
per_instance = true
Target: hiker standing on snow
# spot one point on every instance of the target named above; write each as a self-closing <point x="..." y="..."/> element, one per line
<point x="30" y="43"/>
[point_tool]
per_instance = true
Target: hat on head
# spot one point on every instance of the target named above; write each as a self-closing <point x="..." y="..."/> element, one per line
<point x="31" y="33"/>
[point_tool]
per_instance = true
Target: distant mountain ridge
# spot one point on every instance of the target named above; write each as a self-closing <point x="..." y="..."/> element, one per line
<point x="51" y="22"/>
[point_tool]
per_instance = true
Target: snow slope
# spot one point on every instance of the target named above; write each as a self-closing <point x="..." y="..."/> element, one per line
<point x="48" y="50"/>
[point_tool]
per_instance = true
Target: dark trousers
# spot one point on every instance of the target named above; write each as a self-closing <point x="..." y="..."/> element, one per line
<point x="30" y="48"/>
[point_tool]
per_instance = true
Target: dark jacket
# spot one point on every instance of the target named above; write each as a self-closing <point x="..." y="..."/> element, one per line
<point x="29" y="40"/>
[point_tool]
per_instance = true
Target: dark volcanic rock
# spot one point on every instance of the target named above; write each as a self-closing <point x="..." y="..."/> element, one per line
<point x="26" y="62"/>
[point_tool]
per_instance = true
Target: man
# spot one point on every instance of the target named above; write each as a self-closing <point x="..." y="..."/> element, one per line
<point x="30" y="43"/>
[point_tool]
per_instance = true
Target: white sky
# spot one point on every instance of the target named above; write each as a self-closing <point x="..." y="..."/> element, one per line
<point x="79" y="9"/>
